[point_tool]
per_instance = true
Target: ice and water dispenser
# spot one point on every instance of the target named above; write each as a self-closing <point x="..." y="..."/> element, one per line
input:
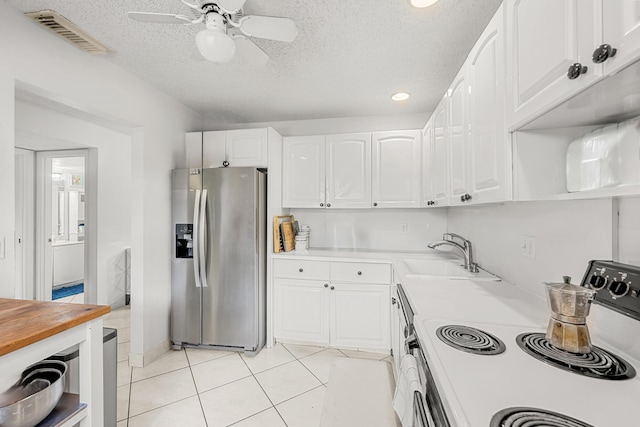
<point x="184" y="240"/>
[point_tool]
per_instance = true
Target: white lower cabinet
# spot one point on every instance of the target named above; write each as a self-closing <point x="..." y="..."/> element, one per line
<point x="336" y="312"/>
<point x="359" y="316"/>
<point x="398" y="325"/>
<point x="301" y="310"/>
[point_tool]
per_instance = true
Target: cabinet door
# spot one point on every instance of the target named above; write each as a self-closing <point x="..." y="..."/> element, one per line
<point x="545" y="37"/>
<point x="348" y="180"/>
<point x="301" y="309"/>
<point x="247" y="147"/>
<point x="490" y="151"/>
<point x="360" y="316"/>
<point x="621" y="31"/>
<point x="396" y="169"/>
<point x="193" y="150"/>
<point x="303" y="172"/>
<point x="458" y="139"/>
<point x="213" y="149"/>
<point x="440" y="155"/>
<point x="427" y="172"/>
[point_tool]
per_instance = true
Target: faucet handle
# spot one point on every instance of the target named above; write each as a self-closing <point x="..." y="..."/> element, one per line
<point x="451" y="236"/>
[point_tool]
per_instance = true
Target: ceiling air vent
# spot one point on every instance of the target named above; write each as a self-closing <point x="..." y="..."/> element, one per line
<point x="68" y="31"/>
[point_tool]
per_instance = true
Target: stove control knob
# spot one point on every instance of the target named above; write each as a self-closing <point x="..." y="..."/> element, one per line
<point x="597" y="282"/>
<point x="618" y="289"/>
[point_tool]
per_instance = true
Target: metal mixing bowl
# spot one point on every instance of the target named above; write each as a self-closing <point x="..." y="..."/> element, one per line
<point x="30" y="410"/>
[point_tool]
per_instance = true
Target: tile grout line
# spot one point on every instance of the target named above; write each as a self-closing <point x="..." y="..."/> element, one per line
<point x="264" y="391"/>
<point x="206" y="422"/>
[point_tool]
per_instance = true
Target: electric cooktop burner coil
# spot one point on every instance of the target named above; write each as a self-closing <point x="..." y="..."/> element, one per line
<point x="470" y="339"/>
<point x="533" y="417"/>
<point x="599" y="363"/>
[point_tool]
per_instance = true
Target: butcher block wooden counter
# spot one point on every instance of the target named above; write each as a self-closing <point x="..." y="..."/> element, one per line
<point x="34" y="330"/>
<point x="24" y="322"/>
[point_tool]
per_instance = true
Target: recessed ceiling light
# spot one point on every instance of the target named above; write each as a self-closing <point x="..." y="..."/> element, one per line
<point x="423" y="3"/>
<point x="400" y="96"/>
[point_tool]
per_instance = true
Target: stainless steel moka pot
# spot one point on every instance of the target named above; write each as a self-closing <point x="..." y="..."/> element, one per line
<point x="569" y="305"/>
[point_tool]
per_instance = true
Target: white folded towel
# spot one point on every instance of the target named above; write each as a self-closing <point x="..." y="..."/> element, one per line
<point x="408" y="383"/>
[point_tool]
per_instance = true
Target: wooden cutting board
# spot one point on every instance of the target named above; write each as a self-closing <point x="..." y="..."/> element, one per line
<point x="25" y="322"/>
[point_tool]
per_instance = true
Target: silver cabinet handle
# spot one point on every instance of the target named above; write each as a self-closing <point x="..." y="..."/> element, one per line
<point x="301" y="269"/>
<point x="359" y="273"/>
<point x="333" y="287"/>
<point x="196" y="236"/>
<point x="326" y="285"/>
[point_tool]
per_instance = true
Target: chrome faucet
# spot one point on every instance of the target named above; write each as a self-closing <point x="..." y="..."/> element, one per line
<point x="465" y="248"/>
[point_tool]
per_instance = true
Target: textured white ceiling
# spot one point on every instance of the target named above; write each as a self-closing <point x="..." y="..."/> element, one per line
<point x="348" y="58"/>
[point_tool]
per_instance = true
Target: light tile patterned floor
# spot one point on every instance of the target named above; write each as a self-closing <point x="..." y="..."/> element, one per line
<point x="281" y="386"/>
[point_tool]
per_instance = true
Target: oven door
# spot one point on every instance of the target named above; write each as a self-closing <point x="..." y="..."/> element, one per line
<point x="428" y="407"/>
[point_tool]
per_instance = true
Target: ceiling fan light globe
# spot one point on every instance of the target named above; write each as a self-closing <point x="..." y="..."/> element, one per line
<point x="215" y="46"/>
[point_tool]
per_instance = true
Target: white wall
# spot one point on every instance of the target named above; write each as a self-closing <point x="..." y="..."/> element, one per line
<point x="568" y="235"/>
<point x="629" y="236"/>
<point x="52" y="68"/>
<point x="331" y="126"/>
<point x="114" y="189"/>
<point x="376" y="229"/>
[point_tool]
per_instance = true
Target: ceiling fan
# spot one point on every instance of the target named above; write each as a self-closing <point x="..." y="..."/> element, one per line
<point x="227" y="30"/>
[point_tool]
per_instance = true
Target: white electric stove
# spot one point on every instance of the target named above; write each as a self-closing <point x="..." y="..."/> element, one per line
<point x="506" y="374"/>
<point x="474" y="387"/>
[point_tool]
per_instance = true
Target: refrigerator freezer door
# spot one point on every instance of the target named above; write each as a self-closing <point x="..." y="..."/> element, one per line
<point x="233" y="301"/>
<point x="185" y="295"/>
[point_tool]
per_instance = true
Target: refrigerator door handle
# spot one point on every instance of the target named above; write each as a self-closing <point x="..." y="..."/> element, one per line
<point x="202" y="241"/>
<point x="196" y="238"/>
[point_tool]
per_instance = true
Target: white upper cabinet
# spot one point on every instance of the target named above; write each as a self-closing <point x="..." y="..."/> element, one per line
<point x="427" y="168"/>
<point x="348" y="171"/>
<point x="303" y="172"/>
<point x="545" y="40"/>
<point x="490" y="146"/>
<point x="213" y="149"/>
<point x="246" y="147"/>
<point x="440" y="155"/>
<point x="458" y="140"/>
<point x="396" y="169"/>
<point x="621" y="19"/>
<point x="235" y="148"/>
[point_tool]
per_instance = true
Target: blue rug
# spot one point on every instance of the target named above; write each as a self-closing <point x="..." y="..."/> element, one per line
<point x="68" y="291"/>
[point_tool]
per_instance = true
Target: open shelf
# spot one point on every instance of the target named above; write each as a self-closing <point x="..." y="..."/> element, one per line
<point x="625" y="190"/>
<point x="68" y="412"/>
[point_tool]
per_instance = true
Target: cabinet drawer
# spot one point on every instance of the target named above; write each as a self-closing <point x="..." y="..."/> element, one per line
<point x="359" y="272"/>
<point x="301" y="269"/>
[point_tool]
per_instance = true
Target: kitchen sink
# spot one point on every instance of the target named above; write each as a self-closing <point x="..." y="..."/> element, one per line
<point x="449" y="269"/>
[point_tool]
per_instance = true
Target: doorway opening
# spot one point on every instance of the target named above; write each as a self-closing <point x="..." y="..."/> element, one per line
<point x="60" y="225"/>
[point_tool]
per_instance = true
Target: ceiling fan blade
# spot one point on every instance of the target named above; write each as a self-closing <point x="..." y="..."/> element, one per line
<point x="196" y="55"/>
<point x="231" y="6"/>
<point x="250" y="52"/>
<point x="269" y="27"/>
<point x="159" y="18"/>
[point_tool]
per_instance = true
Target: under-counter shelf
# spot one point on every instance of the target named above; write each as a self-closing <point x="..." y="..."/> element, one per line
<point x="68" y="412"/>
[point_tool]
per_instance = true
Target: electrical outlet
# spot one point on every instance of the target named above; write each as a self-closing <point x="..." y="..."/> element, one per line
<point x="404" y="228"/>
<point x="528" y="246"/>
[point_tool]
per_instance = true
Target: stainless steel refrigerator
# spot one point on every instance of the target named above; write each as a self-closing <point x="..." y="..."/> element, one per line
<point x="218" y="288"/>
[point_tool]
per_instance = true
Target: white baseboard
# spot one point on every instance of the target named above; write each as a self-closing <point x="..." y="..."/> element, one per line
<point x="142" y="360"/>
